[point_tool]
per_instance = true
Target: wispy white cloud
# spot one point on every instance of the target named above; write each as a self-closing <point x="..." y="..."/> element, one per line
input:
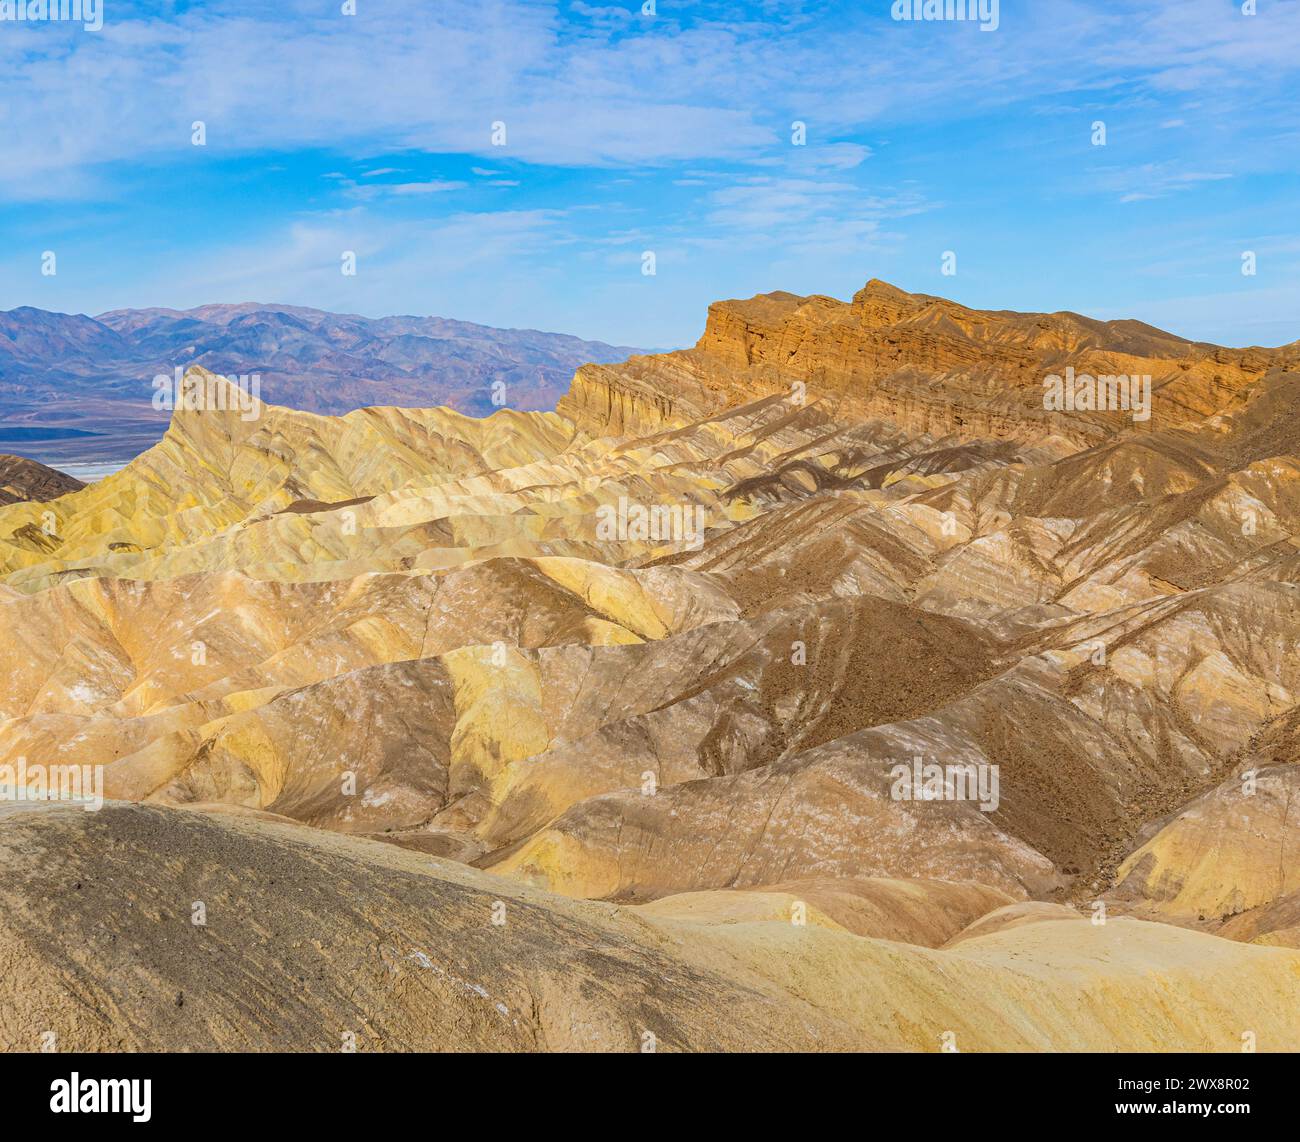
<point x="614" y="89"/>
<point x="1155" y="180"/>
<point x="626" y="133"/>
<point x="452" y="264"/>
<point x="794" y="207"/>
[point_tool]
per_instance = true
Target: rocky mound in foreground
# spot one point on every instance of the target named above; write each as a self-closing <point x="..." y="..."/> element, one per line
<point x="935" y="691"/>
<point x="143" y="928"/>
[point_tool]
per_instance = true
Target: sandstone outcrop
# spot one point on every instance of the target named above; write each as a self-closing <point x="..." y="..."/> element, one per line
<point x="924" y="363"/>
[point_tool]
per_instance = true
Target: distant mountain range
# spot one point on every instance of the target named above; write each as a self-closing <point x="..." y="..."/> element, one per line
<point x="77" y="389"/>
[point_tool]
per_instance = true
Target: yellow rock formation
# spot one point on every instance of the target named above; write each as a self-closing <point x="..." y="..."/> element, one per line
<point x="667" y="668"/>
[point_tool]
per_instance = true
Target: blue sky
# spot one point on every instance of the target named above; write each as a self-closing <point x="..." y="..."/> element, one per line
<point x="669" y="133"/>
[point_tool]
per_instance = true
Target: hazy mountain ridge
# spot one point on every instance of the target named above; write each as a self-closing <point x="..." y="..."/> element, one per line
<point x="62" y="376"/>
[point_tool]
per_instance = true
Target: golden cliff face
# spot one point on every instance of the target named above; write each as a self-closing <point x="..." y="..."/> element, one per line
<point x="857" y="705"/>
<point x="924" y="363"/>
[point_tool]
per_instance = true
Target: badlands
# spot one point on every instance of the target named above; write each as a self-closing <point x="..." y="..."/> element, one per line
<point x="405" y="749"/>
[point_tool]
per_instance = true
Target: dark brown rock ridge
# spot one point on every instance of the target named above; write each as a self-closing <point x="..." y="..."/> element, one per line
<point x="22" y="479"/>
